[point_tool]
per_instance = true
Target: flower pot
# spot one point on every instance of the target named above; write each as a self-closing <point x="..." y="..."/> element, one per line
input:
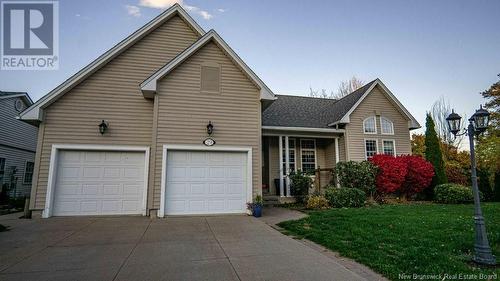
<point x="257" y="211"/>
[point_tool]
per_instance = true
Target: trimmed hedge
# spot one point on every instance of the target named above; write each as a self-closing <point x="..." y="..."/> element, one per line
<point x="345" y="197"/>
<point x="352" y="174"/>
<point x="451" y="193"/>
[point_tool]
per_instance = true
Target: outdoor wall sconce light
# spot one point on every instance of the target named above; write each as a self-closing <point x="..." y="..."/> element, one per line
<point x="103" y="127"/>
<point x="478" y="124"/>
<point x="210" y="128"/>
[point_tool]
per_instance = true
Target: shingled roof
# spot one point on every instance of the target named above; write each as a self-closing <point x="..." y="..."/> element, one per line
<point x="309" y="112"/>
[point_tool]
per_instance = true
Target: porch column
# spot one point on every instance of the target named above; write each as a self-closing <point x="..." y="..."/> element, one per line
<point x="337" y="158"/>
<point x="280" y="147"/>
<point x="287" y="166"/>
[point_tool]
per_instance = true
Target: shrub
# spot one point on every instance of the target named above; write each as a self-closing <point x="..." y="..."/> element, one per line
<point x="360" y="175"/>
<point x="456" y="174"/>
<point x="418" y="176"/>
<point x="317" y="202"/>
<point x="391" y="172"/>
<point x="345" y="197"/>
<point x="450" y="193"/>
<point x="300" y="183"/>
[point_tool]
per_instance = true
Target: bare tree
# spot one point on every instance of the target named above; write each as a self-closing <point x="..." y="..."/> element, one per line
<point x="345" y="88"/>
<point x="349" y="86"/>
<point x="439" y="111"/>
<point x="320" y="93"/>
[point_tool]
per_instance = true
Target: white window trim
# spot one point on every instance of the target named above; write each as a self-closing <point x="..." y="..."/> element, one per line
<point x="49" y="199"/>
<point x="169" y="147"/>
<point x="382" y="127"/>
<point x="374" y="123"/>
<point x="393" y="145"/>
<point x="295" y="151"/>
<point x="25" y="169"/>
<point x="309" y="149"/>
<point x="376" y="145"/>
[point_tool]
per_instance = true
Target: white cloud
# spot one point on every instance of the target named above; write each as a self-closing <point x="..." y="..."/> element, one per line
<point x="133" y="10"/>
<point x="221" y="10"/>
<point x="206" y="15"/>
<point x="159" y="4"/>
<point x="163" y="4"/>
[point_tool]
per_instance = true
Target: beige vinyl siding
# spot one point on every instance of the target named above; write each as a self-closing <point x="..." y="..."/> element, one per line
<point x="377" y="103"/>
<point x="112" y="93"/>
<point x="184" y="110"/>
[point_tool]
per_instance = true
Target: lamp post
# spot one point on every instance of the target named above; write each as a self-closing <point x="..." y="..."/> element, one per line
<point x="478" y="123"/>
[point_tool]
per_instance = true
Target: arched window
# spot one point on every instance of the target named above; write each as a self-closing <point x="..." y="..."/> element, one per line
<point x="386" y="126"/>
<point x="370" y="125"/>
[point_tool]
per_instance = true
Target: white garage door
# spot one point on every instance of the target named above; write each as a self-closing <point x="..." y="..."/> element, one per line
<point x="200" y="182"/>
<point x="99" y="183"/>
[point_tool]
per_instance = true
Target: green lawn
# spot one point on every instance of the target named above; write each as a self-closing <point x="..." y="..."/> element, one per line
<point x="397" y="239"/>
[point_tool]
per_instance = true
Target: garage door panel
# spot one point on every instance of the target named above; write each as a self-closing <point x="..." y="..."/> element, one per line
<point x="204" y="182"/>
<point x="197" y="172"/>
<point x="92" y="157"/>
<point x="70" y="157"/>
<point x="69" y="173"/>
<point x="111" y="173"/>
<point x="111" y="189"/>
<point x="99" y="183"/>
<point x="216" y="172"/>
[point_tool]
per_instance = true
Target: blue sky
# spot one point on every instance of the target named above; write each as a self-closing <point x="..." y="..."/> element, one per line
<point x="422" y="50"/>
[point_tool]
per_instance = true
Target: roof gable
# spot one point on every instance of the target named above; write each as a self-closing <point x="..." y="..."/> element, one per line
<point x="309" y="112"/>
<point x="149" y="86"/>
<point x="24" y="96"/>
<point x="377" y="82"/>
<point x="35" y="112"/>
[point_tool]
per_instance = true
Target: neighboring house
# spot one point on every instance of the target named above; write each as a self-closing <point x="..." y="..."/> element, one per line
<point x="17" y="145"/>
<point x="128" y="133"/>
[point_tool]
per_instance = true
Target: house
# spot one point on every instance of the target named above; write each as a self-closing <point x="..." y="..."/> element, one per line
<point x="171" y="121"/>
<point x="17" y="146"/>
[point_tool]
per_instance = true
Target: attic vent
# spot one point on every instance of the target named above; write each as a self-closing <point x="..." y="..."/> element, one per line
<point x="210" y="78"/>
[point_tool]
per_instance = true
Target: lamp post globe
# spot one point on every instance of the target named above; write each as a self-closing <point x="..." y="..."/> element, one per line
<point x="481" y="119"/>
<point x="453" y="121"/>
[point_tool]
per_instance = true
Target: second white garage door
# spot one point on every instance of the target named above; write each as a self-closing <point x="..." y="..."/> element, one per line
<point x="201" y="182"/>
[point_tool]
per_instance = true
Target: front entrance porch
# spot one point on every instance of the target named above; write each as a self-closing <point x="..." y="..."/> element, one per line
<point x="286" y="152"/>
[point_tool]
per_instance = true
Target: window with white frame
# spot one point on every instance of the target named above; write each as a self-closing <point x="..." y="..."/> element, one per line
<point x="370" y="125"/>
<point x="386" y="126"/>
<point x="28" y="172"/>
<point x="389" y="147"/>
<point x="2" y="169"/>
<point x="308" y="155"/>
<point x="370" y="148"/>
<point x="291" y="151"/>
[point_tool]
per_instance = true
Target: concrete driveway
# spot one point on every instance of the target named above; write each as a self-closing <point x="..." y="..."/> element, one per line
<point x="176" y="248"/>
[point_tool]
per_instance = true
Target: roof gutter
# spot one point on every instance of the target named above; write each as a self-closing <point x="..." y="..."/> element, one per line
<point x="303" y="129"/>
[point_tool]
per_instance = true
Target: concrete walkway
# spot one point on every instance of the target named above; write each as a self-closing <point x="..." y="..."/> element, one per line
<point x="176" y="248"/>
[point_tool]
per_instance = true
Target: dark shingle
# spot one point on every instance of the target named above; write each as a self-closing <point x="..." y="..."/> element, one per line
<point x="298" y="111"/>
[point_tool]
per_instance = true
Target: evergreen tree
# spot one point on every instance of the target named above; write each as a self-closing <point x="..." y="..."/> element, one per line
<point x="497" y="187"/>
<point x="433" y="153"/>
<point x="484" y="184"/>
